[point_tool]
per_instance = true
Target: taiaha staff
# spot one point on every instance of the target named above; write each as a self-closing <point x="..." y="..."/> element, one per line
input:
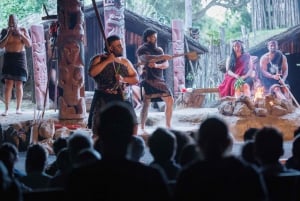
<point x="287" y="88"/>
<point x="155" y="58"/>
<point x="102" y="30"/>
<point x="100" y="25"/>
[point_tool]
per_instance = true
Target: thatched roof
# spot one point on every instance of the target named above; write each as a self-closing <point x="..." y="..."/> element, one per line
<point x="137" y="24"/>
<point x="288" y="41"/>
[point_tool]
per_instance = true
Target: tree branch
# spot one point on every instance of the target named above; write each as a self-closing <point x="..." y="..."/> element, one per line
<point x="223" y="3"/>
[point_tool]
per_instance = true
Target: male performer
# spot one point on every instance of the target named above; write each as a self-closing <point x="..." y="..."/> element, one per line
<point x="154" y="84"/>
<point x="274" y="68"/>
<point x="14" y="71"/>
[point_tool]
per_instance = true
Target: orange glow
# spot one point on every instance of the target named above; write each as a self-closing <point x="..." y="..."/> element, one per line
<point x="258" y="93"/>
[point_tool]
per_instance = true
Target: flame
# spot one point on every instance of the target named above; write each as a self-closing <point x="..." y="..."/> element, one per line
<point x="271" y="103"/>
<point x="258" y="93"/>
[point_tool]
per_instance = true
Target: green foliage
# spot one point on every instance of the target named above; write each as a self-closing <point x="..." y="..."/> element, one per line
<point x="239" y="83"/>
<point x="234" y="20"/>
<point x="22" y="8"/>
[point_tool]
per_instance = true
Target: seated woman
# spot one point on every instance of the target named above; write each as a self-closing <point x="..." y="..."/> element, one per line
<point x="238" y="78"/>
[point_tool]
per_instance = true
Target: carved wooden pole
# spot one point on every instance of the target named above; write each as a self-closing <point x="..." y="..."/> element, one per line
<point x="39" y="66"/>
<point x="71" y="59"/>
<point x="114" y="19"/>
<point x="178" y="48"/>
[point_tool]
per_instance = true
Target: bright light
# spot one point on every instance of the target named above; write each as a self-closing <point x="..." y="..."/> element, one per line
<point x="217" y="12"/>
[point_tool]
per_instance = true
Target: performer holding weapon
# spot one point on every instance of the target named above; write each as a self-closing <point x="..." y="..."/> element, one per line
<point x="111" y="71"/>
<point x="274" y="68"/>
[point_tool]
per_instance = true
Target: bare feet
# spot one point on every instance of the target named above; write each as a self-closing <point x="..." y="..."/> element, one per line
<point x="18" y="111"/>
<point x="5" y="113"/>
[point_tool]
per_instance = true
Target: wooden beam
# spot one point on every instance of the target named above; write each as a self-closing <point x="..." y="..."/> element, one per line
<point x="206" y="90"/>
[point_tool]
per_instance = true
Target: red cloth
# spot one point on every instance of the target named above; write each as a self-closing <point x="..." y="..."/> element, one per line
<point x="226" y="88"/>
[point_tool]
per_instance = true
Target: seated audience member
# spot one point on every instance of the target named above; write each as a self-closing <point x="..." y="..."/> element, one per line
<point x="64" y="167"/>
<point x="280" y="181"/>
<point x="58" y="145"/>
<point x="189" y="154"/>
<point x="35" y="163"/>
<point x="250" y="134"/>
<point x="76" y="143"/>
<point x="10" y="190"/>
<point x="87" y="156"/>
<point x="115" y="177"/>
<point x="247" y="153"/>
<point x="136" y="148"/>
<point x="218" y="175"/>
<point x="293" y="162"/>
<point x="9" y="155"/>
<point x="182" y="139"/>
<point x="162" y="145"/>
<point x="268" y="148"/>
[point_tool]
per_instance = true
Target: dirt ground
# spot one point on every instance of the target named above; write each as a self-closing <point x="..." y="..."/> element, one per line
<point x="183" y="119"/>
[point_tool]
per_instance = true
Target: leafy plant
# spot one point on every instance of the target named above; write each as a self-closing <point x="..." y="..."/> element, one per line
<point x="239" y="83"/>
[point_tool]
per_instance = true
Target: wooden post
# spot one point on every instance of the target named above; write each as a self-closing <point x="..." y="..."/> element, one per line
<point x="71" y="59"/>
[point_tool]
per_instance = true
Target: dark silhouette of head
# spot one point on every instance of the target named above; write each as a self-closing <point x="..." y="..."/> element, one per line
<point x="136" y="148"/>
<point x="247" y="152"/>
<point x="213" y="138"/>
<point x="250" y="134"/>
<point x="182" y="139"/>
<point x="58" y="144"/>
<point x="77" y="142"/>
<point x="116" y="126"/>
<point x="162" y="145"/>
<point x="9" y="156"/>
<point x="268" y="145"/>
<point x="36" y="158"/>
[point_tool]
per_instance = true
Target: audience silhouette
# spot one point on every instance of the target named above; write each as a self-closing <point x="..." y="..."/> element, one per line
<point x="115" y="177"/>
<point x="282" y="183"/>
<point x="294" y="161"/>
<point x="58" y="145"/>
<point x="9" y="155"/>
<point x="9" y="189"/>
<point x="162" y="145"/>
<point x="218" y="175"/>
<point x="35" y="163"/>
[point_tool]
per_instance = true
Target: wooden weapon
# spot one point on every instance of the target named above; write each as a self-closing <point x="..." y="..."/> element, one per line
<point x="289" y="91"/>
<point x="155" y="58"/>
<point x="100" y="25"/>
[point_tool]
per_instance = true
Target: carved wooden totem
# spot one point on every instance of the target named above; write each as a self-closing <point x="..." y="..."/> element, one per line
<point x="71" y="59"/>
<point x="178" y="48"/>
<point x="114" y="19"/>
<point x="39" y="66"/>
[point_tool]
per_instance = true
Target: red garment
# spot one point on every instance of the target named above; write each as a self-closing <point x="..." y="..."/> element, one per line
<point x="226" y="88"/>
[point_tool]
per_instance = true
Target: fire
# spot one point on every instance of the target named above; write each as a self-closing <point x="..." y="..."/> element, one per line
<point x="259" y="93"/>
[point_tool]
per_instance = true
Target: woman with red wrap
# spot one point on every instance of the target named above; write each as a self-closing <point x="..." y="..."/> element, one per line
<point x="237" y="80"/>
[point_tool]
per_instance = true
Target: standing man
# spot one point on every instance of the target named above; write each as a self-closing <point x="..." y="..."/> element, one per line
<point x="14" y="71"/>
<point x="274" y="71"/>
<point x="154" y="84"/>
<point x="113" y="75"/>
